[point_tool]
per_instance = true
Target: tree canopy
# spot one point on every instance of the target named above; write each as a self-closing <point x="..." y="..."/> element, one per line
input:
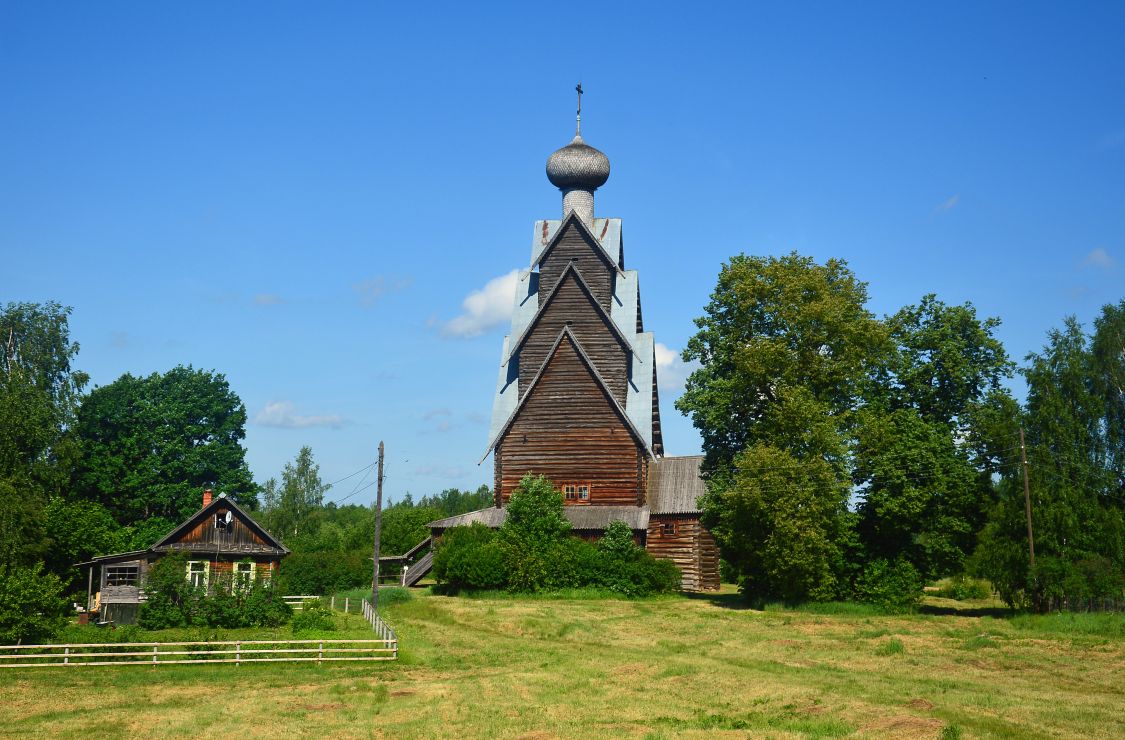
<point x="151" y="445"/>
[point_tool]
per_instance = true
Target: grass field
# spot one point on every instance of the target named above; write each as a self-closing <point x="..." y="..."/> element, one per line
<point x="581" y="667"/>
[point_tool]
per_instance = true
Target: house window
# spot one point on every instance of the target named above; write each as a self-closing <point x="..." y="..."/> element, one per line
<point x="197" y="572"/>
<point x="243" y="575"/>
<point x="576" y="491"/>
<point x="668" y="529"/>
<point x="121" y="575"/>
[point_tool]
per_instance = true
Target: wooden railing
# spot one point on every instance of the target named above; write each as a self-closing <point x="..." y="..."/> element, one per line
<point x="298" y="602"/>
<point x="234" y="651"/>
<point x="381" y="628"/>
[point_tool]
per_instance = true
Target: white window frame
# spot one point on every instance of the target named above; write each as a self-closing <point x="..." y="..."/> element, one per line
<point x="237" y="581"/>
<point x="206" y="572"/>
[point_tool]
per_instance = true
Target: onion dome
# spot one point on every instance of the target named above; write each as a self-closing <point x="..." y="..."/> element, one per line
<point x="578" y="166"/>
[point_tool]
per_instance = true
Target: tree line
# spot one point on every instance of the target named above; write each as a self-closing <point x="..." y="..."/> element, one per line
<point x="852" y="456"/>
<point x="86" y="472"/>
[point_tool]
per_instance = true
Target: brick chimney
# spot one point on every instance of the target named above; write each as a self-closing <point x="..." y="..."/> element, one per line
<point x="207" y="497"/>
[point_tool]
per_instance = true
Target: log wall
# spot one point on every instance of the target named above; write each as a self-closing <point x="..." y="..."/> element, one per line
<point x="569" y="431"/>
<point x="691" y="548"/>
<point x="591" y="261"/>
<point x="573" y="306"/>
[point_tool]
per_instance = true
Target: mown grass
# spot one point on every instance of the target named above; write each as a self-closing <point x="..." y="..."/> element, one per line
<point x="587" y="667"/>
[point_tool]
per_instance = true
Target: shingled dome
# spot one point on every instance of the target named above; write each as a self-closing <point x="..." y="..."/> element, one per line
<point x="578" y="166"/>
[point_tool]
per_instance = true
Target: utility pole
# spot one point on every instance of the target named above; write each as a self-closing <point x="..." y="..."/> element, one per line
<point x="378" y="530"/>
<point x="1027" y="500"/>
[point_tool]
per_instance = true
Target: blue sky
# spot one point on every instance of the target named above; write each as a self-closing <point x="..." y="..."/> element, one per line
<point x="315" y="198"/>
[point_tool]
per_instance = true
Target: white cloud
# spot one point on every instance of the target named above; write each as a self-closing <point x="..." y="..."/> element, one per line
<point x="485" y="308"/>
<point x="671" y="370"/>
<point x="949" y="204"/>
<point x="282" y="415"/>
<point x="372" y="289"/>
<point x="1099" y="258"/>
<point x="267" y="299"/>
<point x="435" y="413"/>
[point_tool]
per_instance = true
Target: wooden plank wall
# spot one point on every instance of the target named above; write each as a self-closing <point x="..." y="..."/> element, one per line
<point x="691" y="548"/>
<point x="574" y="307"/>
<point x="589" y="258"/>
<point x="205" y="535"/>
<point x="569" y="431"/>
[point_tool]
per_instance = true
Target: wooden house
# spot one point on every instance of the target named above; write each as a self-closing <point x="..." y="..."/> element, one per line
<point x="223" y="544"/>
<point x="577" y="397"/>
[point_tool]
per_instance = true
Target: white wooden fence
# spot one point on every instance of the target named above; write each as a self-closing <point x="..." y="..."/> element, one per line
<point x="167" y="653"/>
<point x="381" y="628"/>
<point x="298" y="602"/>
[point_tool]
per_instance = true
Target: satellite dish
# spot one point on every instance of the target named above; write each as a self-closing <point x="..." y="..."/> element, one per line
<point x="227" y="519"/>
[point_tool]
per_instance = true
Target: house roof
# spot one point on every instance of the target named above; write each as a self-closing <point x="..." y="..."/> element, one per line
<point x="567" y="333"/>
<point x="570" y="269"/>
<point x="115" y="557"/>
<point x="674" y="485"/>
<point x="582" y="518"/>
<point x="573" y="217"/>
<point x="168" y="541"/>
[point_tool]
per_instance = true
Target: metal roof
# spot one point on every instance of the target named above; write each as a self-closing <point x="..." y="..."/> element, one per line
<point x="582" y="518"/>
<point x="674" y="485"/>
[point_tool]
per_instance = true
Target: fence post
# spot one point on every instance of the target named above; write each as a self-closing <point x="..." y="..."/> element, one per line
<point x="347" y="601"/>
<point x="238" y="654"/>
<point x="332" y="603"/>
<point x="320" y="655"/>
<point x="154" y="649"/>
<point x="66" y="659"/>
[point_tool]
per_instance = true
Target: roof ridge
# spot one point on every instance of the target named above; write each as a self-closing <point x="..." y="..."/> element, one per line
<point x="567" y="333"/>
<point x="570" y="269"/>
<point x="554" y="240"/>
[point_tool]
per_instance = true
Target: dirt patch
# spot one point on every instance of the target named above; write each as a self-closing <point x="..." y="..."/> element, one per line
<point x="631" y="669"/>
<point x="904" y="726"/>
<point x="922" y="704"/>
<point x="321" y="707"/>
<point x="402" y="692"/>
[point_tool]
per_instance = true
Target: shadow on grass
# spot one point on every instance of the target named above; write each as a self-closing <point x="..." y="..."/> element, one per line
<point x="728" y="600"/>
<point x="997" y="612"/>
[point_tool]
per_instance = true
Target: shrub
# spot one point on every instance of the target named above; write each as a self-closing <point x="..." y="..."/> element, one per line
<point x="470" y="558"/>
<point x="320" y="573"/>
<point x="170" y="597"/>
<point x="32" y="605"/>
<point x="314" y="616"/>
<point x="896" y="586"/>
<point x="173" y="602"/>
<point x="962" y="587"/>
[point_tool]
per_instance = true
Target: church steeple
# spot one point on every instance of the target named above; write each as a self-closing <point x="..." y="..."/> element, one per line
<point x="578" y="169"/>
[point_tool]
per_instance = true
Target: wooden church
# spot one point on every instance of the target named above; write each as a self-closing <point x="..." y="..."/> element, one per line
<point x="576" y="398"/>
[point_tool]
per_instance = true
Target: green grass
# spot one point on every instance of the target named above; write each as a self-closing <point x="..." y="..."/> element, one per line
<point x="577" y="666"/>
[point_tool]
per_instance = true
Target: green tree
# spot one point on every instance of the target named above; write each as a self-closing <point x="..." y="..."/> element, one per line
<point x="32" y="605"/>
<point x="77" y="531"/>
<point x="1078" y="522"/>
<point x="783" y="520"/>
<point x="785" y="347"/>
<point x="152" y="444"/>
<point x="294" y="505"/>
<point x="924" y="493"/>
<point x="779" y="332"/>
<point x="39" y="391"/>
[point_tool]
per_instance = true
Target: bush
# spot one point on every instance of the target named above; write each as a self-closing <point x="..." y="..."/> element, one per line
<point x="962" y="588"/>
<point x="314" y="616"/>
<point x="173" y="602"/>
<point x="537" y="554"/>
<point x="321" y="573"/>
<point x="32" y="605"/>
<point x="170" y="597"/>
<point x="895" y="586"/>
